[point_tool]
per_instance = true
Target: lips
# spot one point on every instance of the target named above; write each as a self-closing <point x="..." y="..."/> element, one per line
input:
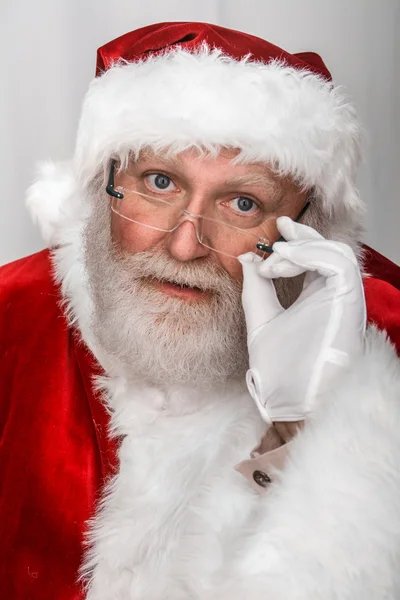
<point x="183" y="286"/>
<point x="180" y="290"/>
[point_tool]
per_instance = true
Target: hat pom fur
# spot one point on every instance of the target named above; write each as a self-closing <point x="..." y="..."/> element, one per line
<point x="49" y="200"/>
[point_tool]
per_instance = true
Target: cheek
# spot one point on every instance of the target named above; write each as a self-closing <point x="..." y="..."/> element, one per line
<point x="133" y="237"/>
<point x="231" y="266"/>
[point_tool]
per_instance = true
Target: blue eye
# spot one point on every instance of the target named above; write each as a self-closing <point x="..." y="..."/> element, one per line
<point x="244" y="205"/>
<point x="160" y="182"/>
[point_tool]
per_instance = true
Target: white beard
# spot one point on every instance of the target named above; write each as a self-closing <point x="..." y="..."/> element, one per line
<point x="157" y="338"/>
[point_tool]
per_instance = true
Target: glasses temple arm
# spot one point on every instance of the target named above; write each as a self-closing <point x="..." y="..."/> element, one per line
<point x="110" y="184"/>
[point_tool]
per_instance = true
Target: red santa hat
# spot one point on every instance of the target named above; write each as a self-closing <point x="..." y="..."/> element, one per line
<point x="179" y="85"/>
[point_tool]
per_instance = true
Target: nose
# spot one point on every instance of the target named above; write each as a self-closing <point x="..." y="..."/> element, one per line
<point x="183" y="243"/>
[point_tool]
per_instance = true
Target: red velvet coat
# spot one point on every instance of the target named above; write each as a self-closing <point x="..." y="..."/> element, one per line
<point x="54" y="451"/>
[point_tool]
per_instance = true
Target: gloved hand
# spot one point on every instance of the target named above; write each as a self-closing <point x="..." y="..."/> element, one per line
<point x="295" y="355"/>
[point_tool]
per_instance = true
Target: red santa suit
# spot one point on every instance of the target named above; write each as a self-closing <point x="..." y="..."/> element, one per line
<point x="154" y="469"/>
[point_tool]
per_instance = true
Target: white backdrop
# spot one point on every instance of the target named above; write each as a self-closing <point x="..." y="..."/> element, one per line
<point x="48" y="50"/>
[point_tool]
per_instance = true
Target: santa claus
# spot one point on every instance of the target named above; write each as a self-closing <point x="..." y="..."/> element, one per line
<point x="200" y="391"/>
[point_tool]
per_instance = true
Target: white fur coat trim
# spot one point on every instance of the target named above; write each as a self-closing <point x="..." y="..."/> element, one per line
<point x="179" y="523"/>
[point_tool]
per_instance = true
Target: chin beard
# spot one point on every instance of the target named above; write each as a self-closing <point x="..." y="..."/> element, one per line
<point x="147" y="335"/>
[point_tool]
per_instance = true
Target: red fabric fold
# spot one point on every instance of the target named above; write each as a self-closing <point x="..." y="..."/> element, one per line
<point x="382" y="293"/>
<point x="153" y="39"/>
<point x="54" y="452"/>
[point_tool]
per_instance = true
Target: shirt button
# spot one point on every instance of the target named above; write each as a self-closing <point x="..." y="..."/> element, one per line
<point x="261" y="478"/>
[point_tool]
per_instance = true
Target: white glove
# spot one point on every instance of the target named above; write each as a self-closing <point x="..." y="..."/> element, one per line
<point x="295" y="355"/>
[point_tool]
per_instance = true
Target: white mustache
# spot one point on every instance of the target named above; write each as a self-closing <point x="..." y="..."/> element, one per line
<point x="207" y="277"/>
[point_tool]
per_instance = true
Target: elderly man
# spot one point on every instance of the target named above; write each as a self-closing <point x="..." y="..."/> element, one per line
<point x="200" y="391"/>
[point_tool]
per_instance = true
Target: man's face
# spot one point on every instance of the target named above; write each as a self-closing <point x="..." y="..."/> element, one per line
<point x="250" y="196"/>
<point x="166" y="308"/>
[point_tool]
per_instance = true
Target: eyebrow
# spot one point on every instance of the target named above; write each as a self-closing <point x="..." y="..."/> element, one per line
<point x="256" y="179"/>
<point x="167" y="160"/>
